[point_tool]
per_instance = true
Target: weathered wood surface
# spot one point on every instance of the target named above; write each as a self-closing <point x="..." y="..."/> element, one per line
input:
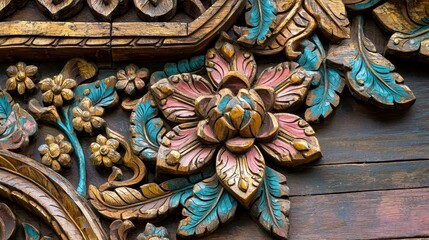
<point x="371" y="183"/>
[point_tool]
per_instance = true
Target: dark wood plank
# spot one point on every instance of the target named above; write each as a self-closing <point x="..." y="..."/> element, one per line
<point x="313" y="180"/>
<point x="364" y="215"/>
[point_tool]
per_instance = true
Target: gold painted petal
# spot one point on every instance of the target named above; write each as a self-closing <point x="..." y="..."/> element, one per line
<point x="251" y="128"/>
<point x="59" y="138"/>
<point x="223" y="129"/>
<point x="87" y="126"/>
<point x="31" y="71"/>
<point x="11" y="84"/>
<point x="107" y="162"/>
<point x="98" y="122"/>
<point x="65" y="160"/>
<point x="66" y="147"/>
<point x="96" y="159"/>
<point x="102" y="140"/>
<point x="269" y="128"/>
<point x="267" y="95"/>
<point x="290" y="83"/>
<point x="77" y="123"/>
<point x="58" y="79"/>
<point x="86" y="103"/>
<point x="49" y="139"/>
<point x="67" y="94"/>
<point x="122" y="76"/>
<point x="239" y="145"/>
<point x="114" y="156"/>
<point x="77" y="112"/>
<point x="235" y="81"/>
<point x="21" y="88"/>
<point x="113" y="143"/>
<point x="43" y="149"/>
<point x="139" y="83"/>
<point x="97" y="111"/>
<point x="68" y="83"/>
<point x="56" y="166"/>
<point x="48" y="97"/>
<point x="21" y="66"/>
<point x="47" y="160"/>
<point x="131" y="69"/>
<point x="45" y="84"/>
<point x="58" y="100"/>
<point x="29" y="84"/>
<point x="122" y="83"/>
<point x="295" y="143"/>
<point x="241" y="174"/>
<point x="130" y="89"/>
<point x="205" y="133"/>
<point x="143" y="73"/>
<point x="12" y="71"/>
<point x="182" y="152"/>
<point x="204" y="104"/>
<point x="94" y="147"/>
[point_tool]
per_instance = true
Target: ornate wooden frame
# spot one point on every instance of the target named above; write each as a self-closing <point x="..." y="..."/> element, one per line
<point x="208" y="123"/>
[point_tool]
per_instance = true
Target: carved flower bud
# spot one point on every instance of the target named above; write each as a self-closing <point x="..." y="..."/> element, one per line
<point x="56" y="152"/>
<point x="87" y="117"/>
<point x="132" y="80"/>
<point x="21" y="78"/>
<point x="57" y="90"/>
<point x="103" y="152"/>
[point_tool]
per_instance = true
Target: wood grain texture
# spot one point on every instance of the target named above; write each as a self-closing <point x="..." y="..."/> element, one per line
<point x="384" y="214"/>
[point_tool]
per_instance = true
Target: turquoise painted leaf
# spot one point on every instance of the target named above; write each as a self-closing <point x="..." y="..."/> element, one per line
<point x="126" y="203"/>
<point x="361" y="5"/>
<point x="147" y="129"/>
<point x="16" y="124"/>
<point x="259" y="18"/>
<point x="328" y="84"/>
<point x="210" y="206"/>
<point x="102" y="92"/>
<point x="370" y="76"/>
<point x="271" y="207"/>
<point x="31" y="233"/>
<point x="191" y="65"/>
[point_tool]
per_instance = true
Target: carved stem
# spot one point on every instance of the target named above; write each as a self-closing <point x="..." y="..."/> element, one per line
<point x="71" y="135"/>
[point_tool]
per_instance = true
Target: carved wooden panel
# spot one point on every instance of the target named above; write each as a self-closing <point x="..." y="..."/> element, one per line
<point x="165" y="119"/>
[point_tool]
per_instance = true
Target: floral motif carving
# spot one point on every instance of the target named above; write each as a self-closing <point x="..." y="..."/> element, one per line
<point x="21" y="78"/>
<point x="103" y="152"/>
<point x="56" y="152"/>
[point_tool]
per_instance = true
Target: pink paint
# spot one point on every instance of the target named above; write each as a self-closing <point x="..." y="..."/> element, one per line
<point x="219" y="70"/>
<point x="272" y="77"/>
<point x="289" y="123"/>
<point x="246" y="66"/>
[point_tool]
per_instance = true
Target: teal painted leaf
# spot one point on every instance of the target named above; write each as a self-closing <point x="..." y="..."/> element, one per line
<point x="328" y="83"/>
<point x="127" y="203"/>
<point x="370" y="76"/>
<point x="271" y="207"/>
<point x="361" y="5"/>
<point x="147" y="129"/>
<point x="191" y="65"/>
<point x="16" y="124"/>
<point x="31" y="233"/>
<point x="259" y="18"/>
<point x="210" y="206"/>
<point x="102" y="92"/>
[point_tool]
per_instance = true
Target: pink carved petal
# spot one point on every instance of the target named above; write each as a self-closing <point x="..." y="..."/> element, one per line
<point x="176" y="96"/>
<point x="290" y="83"/>
<point x="182" y="152"/>
<point x="241" y="174"/>
<point x="225" y="58"/>
<point x="295" y="143"/>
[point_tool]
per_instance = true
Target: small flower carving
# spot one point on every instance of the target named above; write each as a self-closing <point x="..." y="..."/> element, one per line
<point x="56" y="152"/>
<point x="153" y="233"/>
<point x="87" y="117"/>
<point x="131" y="80"/>
<point x="103" y="152"/>
<point x="21" y="78"/>
<point x="57" y="90"/>
<point x="237" y="119"/>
